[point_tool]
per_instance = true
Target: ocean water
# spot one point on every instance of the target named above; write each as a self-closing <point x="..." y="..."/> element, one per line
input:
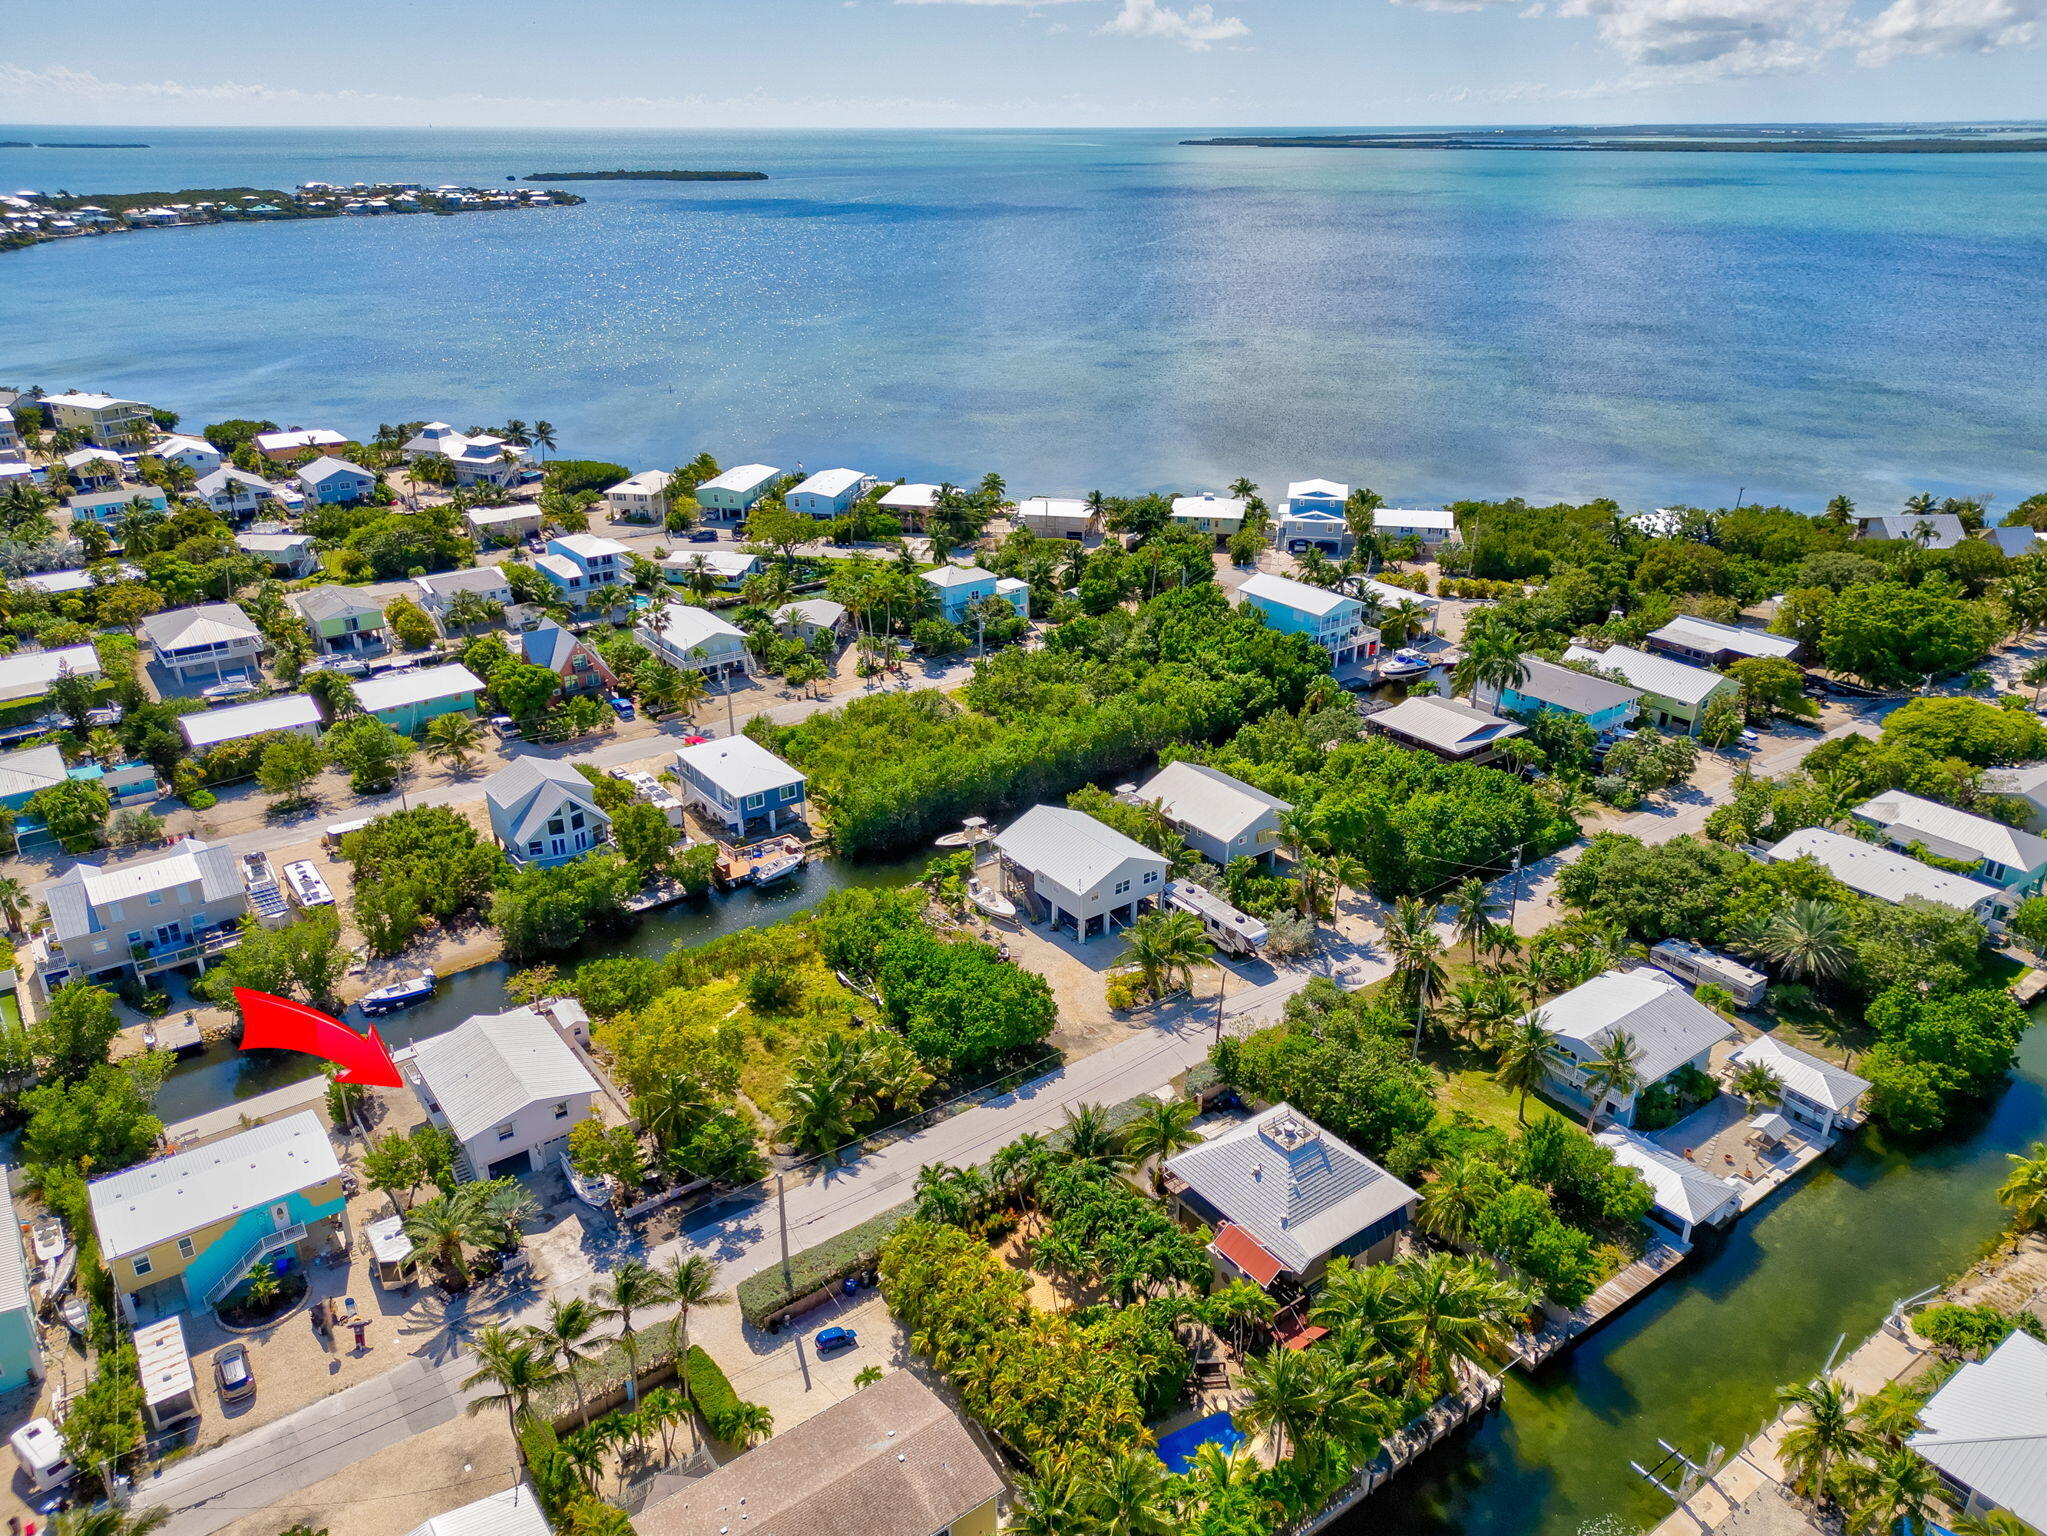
<point x="1101" y="310"/>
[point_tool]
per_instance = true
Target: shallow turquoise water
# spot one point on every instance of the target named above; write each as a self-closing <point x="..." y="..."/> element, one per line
<point x="1103" y="309"/>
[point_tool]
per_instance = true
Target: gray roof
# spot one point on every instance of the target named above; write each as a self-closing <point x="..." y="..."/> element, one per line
<point x="529" y="789"/>
<point x="237" y="722"/>
<point x="1987" y="1428"/>
<point x="1676" y="680"/>
<point x="891" y="1460"/>
<point x="1682" y="1189"/>
<point x="1293" y="1186"/>
<point x="739" y="765"/>
<point x="548" y="645"/>
<point x="205" y="624"/>
<point x="947" y="576"/>
<point x="1070" y="847"/>
<point x="1209" y="800"/>
<point x="1652" y="1007"/>
<point x="1910" y="819"/>
<point x="1566" y="689"/>
<point x="1882" y="872"/>
<point x="332" y="602"/>
<point x="157" y="1201"/>
<point x="31" y="769"/>
<point x="13" y="1256"/>
<point x="821" y="611"/>
<point x="328" y="468"/>
<point x="482" y="578"/>
<point x="486" y="1070"/>
<point x="2014" y="540"/>
<point x="76" y="897"/>
<point x="515" y="1512"/>
<point x="1695" y="634"/>
<point x="1804" y="1074"/>
<point x="1445" y="724"/>
<point x="28" y="673"/>
<point x="1945" y="529"/>
<point x="2028" y="779"/>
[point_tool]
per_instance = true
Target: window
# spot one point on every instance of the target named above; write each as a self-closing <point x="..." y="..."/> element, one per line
<point x="142" y="1264"/>
<point x="533" y="849"/>
<point x="554" y="824"/>
<point x="186" y="1249"/>
<point x="755" y="802"/>
<point x="156" y="898"/>
<point x="561" y="1110"/>
<point x="575" y="818"/>
<point x="1122" y="887"/>
<point x="1151" y="877"/>
<point x="505" y="1132"/>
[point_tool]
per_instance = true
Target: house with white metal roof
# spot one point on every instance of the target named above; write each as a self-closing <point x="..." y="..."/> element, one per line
<point x="1455" y="731"/>
<point x="1985" y="1431"/>
<point x="335" y="482"/>
<point x="94" y="469"/>
<point x="1283" y="1196"/>
<point x="961" y="588"/>
<point x="1334" y="621"/>
<point x="641" y="498"/>
<point x="291" y="553"/>
<point x="543" y="812"/>
<point x="1887" y="875"/>
<point x="506" y="1086"/>
<point x="1385" y="595"/>
<point x="1668" y="1029"/>
<point x="2027" y="783"/>
<point x="589" y="572"/>
<point x="407" y="699"/>
<point x="21" y="1349"/>
<point x="1606" y="706"/>
<point x="236" y="493"/>
<point x="736" y="783"/>
<point x="1431" y="525"/>
<point x="727" y="568"/>
<point x="1709" y="643"/>
<point x="829" y="492"/>
<point x="185" y="1230"/>
<point x="107" y="508"/>
<point x="1687" y="1196"/>
<point x="144" y="916"/>
<point x="2003" y="855"/>
<point x="203" y="644"/>
<point x="1674" y="693"/>
<point x="1218" y="516"/>
<point x="1054" y="517"/>
<point x="194" y="453"/>
<point x="2013" y="541"/>
<point x="495" y="526"/>
<point x="1318" y="495"/>
<point x="25" y="773"/>
<point x="736" y="491"/>
<point x="1819" y="1097"/>
<point x="694" y="639"/>
<point x="279" y="446"/>
<point x="292" y="712"/>
<point x="1929" y="530"/>
<point x="107" y="420"/>
<point x="909" y="503"/>
<point x="813" y="615"/>
<point x="1218" y="816"/>
<point x="1065" y="867"/>
<point x="515" y="1512"/>
<point x="28" y="674"/>
<point x="438" y="590"/>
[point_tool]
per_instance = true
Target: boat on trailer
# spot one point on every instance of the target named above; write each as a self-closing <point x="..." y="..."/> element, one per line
<point x="1404" y="664"/>
<point x="991" y="901"/>
<point x="401" y="994"/>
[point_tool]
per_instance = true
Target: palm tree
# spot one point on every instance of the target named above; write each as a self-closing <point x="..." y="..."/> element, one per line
<point x="633" y="1285"/>
<point x="1473" y="921"/>
<point x="1417" y="951"/>
<point x="470" y="610"/>
<point x="750" y="1423"/>
<point x="1366" y="1304"/>
<point x="14" y="900"/>
<point x="567" y="1338"/>
<point x="443" y="1229"/>
<point x="1763" y="1088"/>
<point x="1285" y="1397"/>
<point x="1057" y="1502"/>
<point x="1615" y="1070"/>
<point x="109" y="1522"/>
<point x="1479" y="1008"/>
<point x="2024" y="1190"/>
<point x="820" y="1111"/>
<point x="1529" y="1057"/>
<point x="1491" y="661"/>
<point x="1166" y="945"/>
<point x="1459" y="1309"/>
<point x="1993" y="1522"/>
<point x="1162" y="1127"/>
<point x="1823" y="1440"/>
<point x="1130" y="1492"/>
<point x="1451" y="1201"/>
<point x="1897" y="1489"/>
<point x="1085" y="1137"/>
<point x="512" y="1364"/>
<point x="451" y="738"/>
<point x="1806" y="940"/>
<point x="542" y="434"/>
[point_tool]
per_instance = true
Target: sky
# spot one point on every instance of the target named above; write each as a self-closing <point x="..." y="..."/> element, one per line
<point x="1023" y="63"/>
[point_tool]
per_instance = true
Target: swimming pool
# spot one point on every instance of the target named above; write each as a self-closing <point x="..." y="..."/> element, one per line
<point x="1178" y="1449"/>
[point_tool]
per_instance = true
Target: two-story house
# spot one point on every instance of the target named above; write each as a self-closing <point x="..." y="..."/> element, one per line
<point x="641" y="498"/>
<point x="280" y="447"/>
<point x="478" y="459"/>
<point x="142" y="917"/>
<point x="236" y="493"/>
<point x="1432" y="526"/>
<point x="336" y="482"/>
<point x="2003" y="856"/>
<point x="12" y="449"/>
<point x="829" y="492"/>
<point x="1666" y="1028"/>
<point x="1055" y="517"/>
<point x="1220" y="517"/>
<point x="1220" y="817"/>
<point x="589" y="572"/>
<point x="104" y="420"/>
<point x="506" y="1086"/>
<point x="959" y="588"/>
<point x="910" y="503"/>
<point x="203" y="644"/>
<point x="543" y="812"/>
<point x="193" y="453"/>
<point x="1323" y="496"/>
<point x="575" y="661"/>
<point x="107" y="508"/>
<point x="737" y="491"/>
<point x="1332" y="620"/>
<point x="94" y="469"/>
<point x="740" y="785"/>
<point x="1709" y="643"/>
<point x="439" y="590"/>
<point x="28" y="674"/>
<point x="184" y="1232"/>
<point x="726" y="568"/>
<point x="1078" y="873"/>
<point x="694" y="639"/>
<point x="343" y="622"/>
<point x="1674" y="693"/>
<point x="1606" y="706"/>
<point x="290" y="554"/>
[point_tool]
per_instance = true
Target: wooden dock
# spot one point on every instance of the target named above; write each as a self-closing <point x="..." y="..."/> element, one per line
<point x="1564" y="1331"/>
<point x="738" y="865"/>
<point x="1445" y="1417"/>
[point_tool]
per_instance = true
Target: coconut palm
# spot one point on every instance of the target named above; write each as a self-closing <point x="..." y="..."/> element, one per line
<point x="1479" y="1008"/>
<point x="2024" y="1190"/>
<point x="1284" y="1398"/>
<point x="948" y="1195"/>
<point x="567" y="1337"/>
<point x="750" y="1423"/>
<point x="1763" y="1088"/>
<point x="1162" y="1127"/>
<point x="1085" y="1137"/>
<point x="14" y="900"/>
<point x="1993" y="1522"/>
<point x="451" y="738"/>
<point x="1529" y="1057"/>
<point x="1473" y="921"/>
<point x="1896" y="1490"/>
<point x="1491" y="662"/>
<point x="1615" y="1070"/>
<point x="1365" y="1302"/>
<point x="1451" y="1201"/>
<point x="515" y="1366"/>
<point x="109" y="1522"/>
<point x="1236" y="1308"/>
<point x="443" y="1229"/>
<point x="820" y="1110"/>
<point x="1889" y="1415"/>
<point x="1056" y="1503"/>
<point x="1417" y="950"/>
<point x="1014" y="1171"/>
<point x="1166" y="945"/>
<point x="1823" y="1439"/>
<point x="1459" y="1308"/>
<point x="1805" y="940"/>
<point x="1131" y="1495"/>
<point x="542" y="435"/>
<point x="633" y="1286"/>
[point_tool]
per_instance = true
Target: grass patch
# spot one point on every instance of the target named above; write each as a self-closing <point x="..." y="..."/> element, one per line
<point x="763" y="1293"/>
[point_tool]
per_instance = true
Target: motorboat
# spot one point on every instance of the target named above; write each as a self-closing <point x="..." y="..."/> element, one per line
<point x="47" y="1239"/>
<point x="591" y="1191"/>
<point x="971" y="834"/>
<point x="75" y="1312"/>
<point x="777" y="866"/>
<point x="237" y="687"/>
<point x="1403" y="664"/>
<point x="991" y="901"/>
<point x="401" y="994"/>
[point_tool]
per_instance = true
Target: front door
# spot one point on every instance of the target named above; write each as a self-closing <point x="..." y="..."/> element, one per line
<point x="280" y="1216"/>
<point x="168" y="934"/>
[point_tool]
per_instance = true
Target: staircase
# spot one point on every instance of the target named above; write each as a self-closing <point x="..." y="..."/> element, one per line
<point x="263" y="1247"/>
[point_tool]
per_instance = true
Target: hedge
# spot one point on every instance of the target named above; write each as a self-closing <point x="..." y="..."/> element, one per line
<point x="605" y="1372"/>
<point x="763" y="1294"/>
<point x="712" y="1394"/>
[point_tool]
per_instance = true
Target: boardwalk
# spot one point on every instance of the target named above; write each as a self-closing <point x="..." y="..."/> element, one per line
<point x="1623" y="1288"/>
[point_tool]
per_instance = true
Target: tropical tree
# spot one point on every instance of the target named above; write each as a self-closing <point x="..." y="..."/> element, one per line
<point x="1491" y="662"/>
<point x="1823" y="1439"/>
<point x="1473" y="921"/>
<point x="567" y="1337"/>
<point x="1459" y="1309"/>
<point x="633" y="1286"/>
<point x="1056" y="1502"/>
<point x="444" y="1228"/>
<point x="451" y="738"/>
<point x="1805" y="940"/>
<point x="820" y="1109"/>
<point x="14" y="900"/>
<point x="1529" y="1057"/>
<point x="1417" y="951"/>
<point x="1451" y="1201"/>
<point x="1615" y="1070"/>
<point x="691" y="1281"/>
<point x="512" y="1364"/>
<point x="1284" y="1398"/>
<point x="109" y="1522"/>
<point x="472" y="610"/>
<point x="1162" y="1127"/>
<point x="749" y="1423"/>
<point x="2024" y="1190"/>
<point x="1896" y="1490"/>
<point x="1085" y="1137"/>
<point x="1763" y="1088"/>
<point x="1166" y="945"/>
<point x="1131" y="1492"/>
<point x="1480" y="1007"/>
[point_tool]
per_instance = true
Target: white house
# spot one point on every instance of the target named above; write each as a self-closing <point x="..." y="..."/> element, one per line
<point x="1687" y="1196"/>
<point x="439" y="590"/>
<point x="291" y="553"/>
<point x="829" y="492"/>
<point x="1332" y="620"/>
<point x="812" y="616"/>
<point x="28" y="674"/>
<point x="1929" y="530"/>
<point x="2013" y="541"/>
<point x="515" y="1512"/>
<point x="293" y="712"/>
<point x="642" y="498"/>
<point x="1668" y="1027"/>
<point x="1890" y="876"/>
<point x="64" y="583"/>
<point x="1818" y="1096"/>
<point x="1295" y="529"/>
<point x="143" y="916"/>
<point x="736" y="782"/>
<point x="503" y="525"/>
<point x="2026" y="783"/>
<point x="203" y="644"/>
<point x="1985" y="1431"/>
<point x="727" y="567"/>
<point x="278" y="446"/>
<point x="107" y="420"/>
<point x="2003" y="855"/>
<point x="506" y="1086"/>
<point x="909" y="503"/>
<point x="695" y="640"/>
<point x="1453" y="730"/>
<point x="1327" y="496"/>
<point x="588" y="571"/>
<point x="93" y="469"/>
<point x="1219" y="817"/>
<point x="1712" y="644"/>
<point x="11" y="449"/>
<point x="1218" y="516"/>
<point x="1068" y="868"/>
<point x="477" y="459"/>
<point x="21" y="1349"/>
<point x="543" y="812"/>
<point x="735" y="492"/>
<point x="1432" y="525"/>
<point x="331" y="481"/>
<point x="195" y="453"/>
<point x="1055" y="517"/>
<point x="1386" y="595"/>
<point x="235" y="493"/>
<point x="1674" y="693"/>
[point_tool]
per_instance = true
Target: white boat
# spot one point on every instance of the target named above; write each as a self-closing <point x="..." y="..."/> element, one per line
<point x="991" y="901"/>
<point x="1404" y="663"/>
<point x="971" y="834"/>
<point x="780" y="867"/>
<point x="46" y="1237"/>
<point x="402" y="994"/>
<point x="590" y="1191"/>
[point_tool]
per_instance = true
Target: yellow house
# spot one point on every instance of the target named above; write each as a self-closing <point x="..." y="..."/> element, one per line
<point x="102" y="420"/>
<point x="182" y="1232"/>
<point x="891" y="1460"/>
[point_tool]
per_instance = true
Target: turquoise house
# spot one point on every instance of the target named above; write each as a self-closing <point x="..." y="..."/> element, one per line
<point x="406" y="700"/>
<point x="1607" y="706"/>
<point x="1332" y="620"/>
<point x="961" y="587"/>
<point x="21" y="1354"/>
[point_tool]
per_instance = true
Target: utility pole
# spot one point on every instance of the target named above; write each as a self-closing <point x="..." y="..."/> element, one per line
<point x="1514" y="890"/>
<point x="782" y="1214"/>
<point x="730" y="728"/>
<point x="1222" y="982"/>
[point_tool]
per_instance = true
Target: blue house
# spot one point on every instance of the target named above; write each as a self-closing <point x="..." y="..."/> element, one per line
<point x="590" y="572"/>
<point x="1606" y="706"/>
<point x="406" y="700"/>
<point x="961" y="587"/>
<point x="336" y="481"/>
<point x="1333" y="621"/>
<point x="21" y="1351"/>
<point x="829" y="492"/>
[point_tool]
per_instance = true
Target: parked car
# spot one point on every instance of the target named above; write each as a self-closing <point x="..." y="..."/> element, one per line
<point x="505" y="727"/>
<point x="835" y="1338"/>
<point x="704" y="536"/>
<point x="621" y="706"/>
<point x="231" y="1372"/>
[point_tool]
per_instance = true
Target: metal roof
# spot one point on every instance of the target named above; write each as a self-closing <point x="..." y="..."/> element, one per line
<point x="332" y="602"/>
<point x="821" y="611"/>
<point x="832" y="483"/>
<point x="484" y="1071"/>
<point x="31" y="769"/>
<point x="1696" y="634"/>
<point x="1882" y="872"/>
<point x="1804" y="1074"/>
<point x="1415" y="517"/>
<point x="1944" y="529"/>
<point x="531" y="788"/>
<point x="1578" y="692"/>
<point x="1391" y="595"/>
<point x="1910" y="819"/>
<point x="681" y="627"/>
<point x="76" y="897"/>
<point x="515" y="1512"/>
<point x="1053" y="507"/>
<point x="482" y="578"/>
<point x="1071" y="848"/>
<point x="909" y="497"/>
<point x="1676" y="680"/>
<point x="315" y="437"/>
<point x="1210" y="800"/>
<point x="1987" y="1428"/>
<point x="727" y="564"/>
<point x="161" y="1361"/>
<point x="1209" y="505"/>
<point x="395" y="690"/>
<point x="1682" y="1189"/>
<point x="1331" y="490"/>
<point x="28" y="673"/>
<point x="1298" y="595"/>
<point x="14" y="1296"/>
<point x="743" y="480"/>
<point x="1652" y="1007"/>
<point x="1445" y="724"/>
<point x="157" y="1201"/>
<point x="738" y="765"/>
<point x="648" y="482"/>
<point x="587" y="546"/>
<point x="1297" y="1189"/>
<point x="206" y="624"/>
<point x="321" y="470"/>
<point x="210" y="727"/>
<point x="948" y="576"/>
<point x="1232" y="1242"/>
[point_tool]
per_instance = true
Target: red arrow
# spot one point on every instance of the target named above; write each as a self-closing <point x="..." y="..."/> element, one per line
<point x="278" y="1023"/>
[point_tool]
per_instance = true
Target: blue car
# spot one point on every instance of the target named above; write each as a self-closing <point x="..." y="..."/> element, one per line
<point x="621" y="706"/>
<point x="704" y="536"/>
<point x="830" y="1339"/>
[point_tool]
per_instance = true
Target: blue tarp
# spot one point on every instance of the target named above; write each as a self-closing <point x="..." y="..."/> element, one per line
<point x="1177" y="1449"/>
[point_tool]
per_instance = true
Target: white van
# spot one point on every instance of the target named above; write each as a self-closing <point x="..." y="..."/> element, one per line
<point x="40" y="1450"/>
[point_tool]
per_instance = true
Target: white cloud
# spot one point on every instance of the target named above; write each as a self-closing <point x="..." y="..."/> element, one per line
<point x="1198" y="27"/>
<point x="1948" y="26"/>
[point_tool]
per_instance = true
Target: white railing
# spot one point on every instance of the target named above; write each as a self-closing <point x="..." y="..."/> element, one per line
<point x="264" y="1246"/>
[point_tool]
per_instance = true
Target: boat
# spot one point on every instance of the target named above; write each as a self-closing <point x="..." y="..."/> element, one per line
<point x="591" y="1191"/>
<point x="991" y="901"/>
<point x="1404" y="663"/>
<point x="401" y="994"/>
<point x="970" y="835"/>
<point x="75" y="1313"/>
<point x="46" y="1237"/>
<point x="776" y="866"/>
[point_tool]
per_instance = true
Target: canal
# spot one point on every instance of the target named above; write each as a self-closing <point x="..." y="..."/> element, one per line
<point x="1696" y="1360"/>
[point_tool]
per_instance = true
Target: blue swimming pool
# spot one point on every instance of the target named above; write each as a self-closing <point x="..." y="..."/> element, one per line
<point x="1178" y="1449"/>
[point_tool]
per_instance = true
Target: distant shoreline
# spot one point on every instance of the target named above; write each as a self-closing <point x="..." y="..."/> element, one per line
<point x="1985" y="146"/>
<point x="647" y="176"/>
<point x="52" y="144"/>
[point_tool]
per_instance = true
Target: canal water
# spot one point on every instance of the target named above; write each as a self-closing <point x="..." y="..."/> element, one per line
<point x="1696" y="1360"/>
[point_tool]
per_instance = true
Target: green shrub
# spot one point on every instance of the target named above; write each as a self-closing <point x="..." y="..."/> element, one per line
<point x="713" y="1394"/>
<point x="202" y="799"/>
<point x="763" y="1294"/>
<point x="1973" y="1331"/>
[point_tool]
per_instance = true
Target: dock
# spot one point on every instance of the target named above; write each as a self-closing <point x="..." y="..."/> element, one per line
<point x="1445" y="1417"/>
<point x="181" y="1036"/>
<point x="1562" y="1331"/>
<point x="739" y="865"/>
